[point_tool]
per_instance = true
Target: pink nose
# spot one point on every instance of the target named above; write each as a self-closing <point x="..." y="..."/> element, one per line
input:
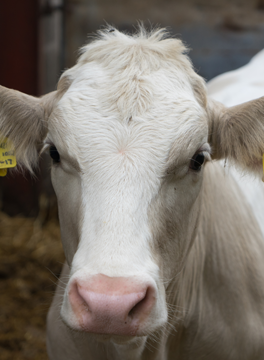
<point x="106" y="305"/>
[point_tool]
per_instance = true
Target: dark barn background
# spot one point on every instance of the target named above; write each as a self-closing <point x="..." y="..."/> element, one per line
<point x="38" y="39"/>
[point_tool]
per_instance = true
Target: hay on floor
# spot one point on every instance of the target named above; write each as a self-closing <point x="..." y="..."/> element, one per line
<point x="30" y="253"/>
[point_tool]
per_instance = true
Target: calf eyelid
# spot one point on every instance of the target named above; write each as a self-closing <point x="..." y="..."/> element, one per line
<point x="67" y="159"/>
<point x="181" y="168"/>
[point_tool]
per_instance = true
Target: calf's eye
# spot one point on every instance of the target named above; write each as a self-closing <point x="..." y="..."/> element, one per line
<point x="197" y="162"/>
<point x="54" y="154"/>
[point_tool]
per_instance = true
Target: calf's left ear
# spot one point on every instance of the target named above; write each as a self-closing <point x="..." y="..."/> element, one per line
<point x="237" y="133"/>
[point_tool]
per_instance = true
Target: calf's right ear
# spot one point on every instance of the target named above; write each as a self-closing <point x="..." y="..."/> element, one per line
<point x="23" y="121"/>
<point x="237" y="133"/>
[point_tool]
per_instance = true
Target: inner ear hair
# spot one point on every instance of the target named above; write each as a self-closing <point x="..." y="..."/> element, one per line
<point x="22" y="121"/>
<point x="237" y="133"/>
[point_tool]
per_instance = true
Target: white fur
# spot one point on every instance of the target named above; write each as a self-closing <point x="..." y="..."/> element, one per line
<point x="121" y="128"/>
<point x="122" y="164"/>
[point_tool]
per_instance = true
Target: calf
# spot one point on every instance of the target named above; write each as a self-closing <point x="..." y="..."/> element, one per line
<point x="165" y="254"/>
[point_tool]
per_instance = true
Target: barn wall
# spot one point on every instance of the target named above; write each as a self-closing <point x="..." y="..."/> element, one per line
<point x="31" y="61"/>
<point x="222" y="34"/>
<point x="19" y="70"/>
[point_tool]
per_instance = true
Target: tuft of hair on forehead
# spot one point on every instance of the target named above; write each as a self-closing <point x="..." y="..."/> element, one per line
<point x="156" y="45"/>
<point x="134" y="56"/>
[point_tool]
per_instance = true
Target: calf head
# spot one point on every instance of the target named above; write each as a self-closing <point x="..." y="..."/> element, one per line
<point x="129" y="131"/>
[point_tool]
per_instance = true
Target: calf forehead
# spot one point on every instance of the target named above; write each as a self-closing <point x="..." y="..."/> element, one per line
<point x="103" y="116"/>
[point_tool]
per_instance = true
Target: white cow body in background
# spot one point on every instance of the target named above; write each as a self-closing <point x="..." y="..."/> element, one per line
<point x="164" y="246"/>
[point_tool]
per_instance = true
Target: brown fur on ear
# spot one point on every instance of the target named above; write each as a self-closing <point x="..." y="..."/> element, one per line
<point x="49" y="100"/>
<point x="63" y="85"/>
<point x="199" y="89"/>
<point x="237" y="133"/>
<point x="22" y="121"/>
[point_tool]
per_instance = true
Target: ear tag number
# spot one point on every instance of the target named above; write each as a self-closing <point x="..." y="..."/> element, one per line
<point x="7" y="156"/>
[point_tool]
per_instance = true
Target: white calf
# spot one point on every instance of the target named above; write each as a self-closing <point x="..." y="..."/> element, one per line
<point x="165" y="254"/>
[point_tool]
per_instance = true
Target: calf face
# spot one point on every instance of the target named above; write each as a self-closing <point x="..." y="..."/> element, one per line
<point x="129" y="131"/>
<point x="127" y="184"/>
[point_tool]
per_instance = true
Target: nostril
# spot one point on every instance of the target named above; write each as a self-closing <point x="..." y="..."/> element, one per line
<point x="144" y="305"/>
<point x="136" y="308"/>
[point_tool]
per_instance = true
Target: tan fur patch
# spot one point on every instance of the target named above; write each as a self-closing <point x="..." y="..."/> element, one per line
<point x="237" y="133"/>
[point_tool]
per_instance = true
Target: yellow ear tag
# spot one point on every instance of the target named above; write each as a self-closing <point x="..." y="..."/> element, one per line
<point x="3" y="172"/>
<point x="7" y="156"/>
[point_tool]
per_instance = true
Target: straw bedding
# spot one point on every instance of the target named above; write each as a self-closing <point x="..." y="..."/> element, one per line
<point x="30" y="253"/>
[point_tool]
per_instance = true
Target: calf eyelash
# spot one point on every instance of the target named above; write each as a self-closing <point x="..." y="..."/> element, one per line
<point x="44" y="148"/>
